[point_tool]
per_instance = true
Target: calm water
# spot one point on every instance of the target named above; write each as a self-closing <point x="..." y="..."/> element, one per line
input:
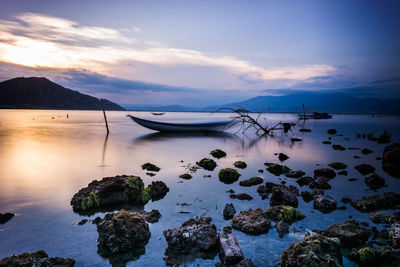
<point x="45" y="161"/>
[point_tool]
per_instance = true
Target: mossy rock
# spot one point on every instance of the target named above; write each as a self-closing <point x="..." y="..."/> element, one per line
<point x="150" y="167"/>
<point x="284" y="213"/>
<point x="218" y="153"/>
<point x="240" y="164"/>
<point x="228" y="175"/>
<point x="338" y="165"/>
<point x="185" y="176"/>
<point x="92" y="201"/>
<point x="277" y="169"/>
<point x="376" y="256"/>
<point x="207" y="164"/>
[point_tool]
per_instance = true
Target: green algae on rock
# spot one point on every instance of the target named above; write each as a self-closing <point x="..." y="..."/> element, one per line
<point x="240" y="164"/>
<point x="228" y="175"/>
<point x="207" y="164"/>
<point x="285" y="213"/>
<point x="277" y="169"/>
<point x="186" y="176"/>
<point x="218" y="153"/>
<point x="150" y="167"/>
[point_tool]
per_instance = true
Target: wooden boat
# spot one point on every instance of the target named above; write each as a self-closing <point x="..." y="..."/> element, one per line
<point x="182" y="127"/>
<point x="315" y="116"/>
<point x="158" y="113"/>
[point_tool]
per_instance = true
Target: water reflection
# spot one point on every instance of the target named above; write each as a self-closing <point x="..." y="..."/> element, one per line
<point x="159" y="136"/>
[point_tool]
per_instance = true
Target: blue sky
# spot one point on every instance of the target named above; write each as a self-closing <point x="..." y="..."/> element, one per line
<point x="203" y="52"/>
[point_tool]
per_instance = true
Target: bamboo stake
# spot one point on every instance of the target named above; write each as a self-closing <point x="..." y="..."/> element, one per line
<point x="104" y="113"/>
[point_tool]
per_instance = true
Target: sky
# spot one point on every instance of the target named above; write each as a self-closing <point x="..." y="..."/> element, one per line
<point x="200" y="53"/>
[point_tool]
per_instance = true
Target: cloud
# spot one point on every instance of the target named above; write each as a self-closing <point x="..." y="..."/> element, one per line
<point x="38" y="40"/>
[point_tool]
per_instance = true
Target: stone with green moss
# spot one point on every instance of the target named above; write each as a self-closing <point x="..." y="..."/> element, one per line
<point x="277" y="169"/>
<point x="90" y="202"/>
<point x="337" y="165"/>
<point x="376" y="256"/>
<point x="228" y="175"/>
<point x="284" y="213"/>
<point x="207" y="164"/>
<point x="186" y="176"/>
<point x="150" y="167"/>
<point x="240" y="164"/>
<point x="218" y="153"/>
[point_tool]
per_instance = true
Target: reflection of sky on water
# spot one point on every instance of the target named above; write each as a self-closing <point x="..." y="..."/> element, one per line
<point x="44" y="161"/>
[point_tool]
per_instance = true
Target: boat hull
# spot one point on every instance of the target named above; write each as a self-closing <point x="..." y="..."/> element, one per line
<point x="181" y="127"/>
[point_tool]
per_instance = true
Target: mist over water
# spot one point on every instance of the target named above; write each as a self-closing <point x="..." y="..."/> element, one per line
<point x="45" y="158"/>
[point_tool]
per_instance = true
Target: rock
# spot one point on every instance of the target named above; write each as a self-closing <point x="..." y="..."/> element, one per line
<point x="295" y="139"/>
<point x="115" y="190"/>
<point x="324" y="204"/>
<point x="284" y="213"/>
<point x="331" y="131"/>
<point x="230" y="252"/>
<point x="325" y="172"/>
<point x="228" y="175"/>
<point x="364" y="169"/>
<point x="242" y="196"/>
<point x="194" y="238"/>
<point x="303" y="130"/>
<point x="227" y="229"/>
<point x="385" y="201"/>
<point x="320" y="183"/>
<point x="121" y="232"/>
<point x="376" y="256"/>
<point x="282" y="228"/>
<point x="251" y="222"/>
<point x="150" y="167"/>
<point x="207" y="164"/>
<point x="295" y="174"/>
<point x="158" y="190"/>
<point x="97" y="220"/>
<point x="282" y="195"/>
<point x="38" y="258"/>
<point x="380" y="237"/>
<point x="391" y="160"/>
<point x="337" y="165"/>
<point x="261" y="171"/>
<point x="252" y="181"/>
<point x="218" y="153"/>
<point x="240" y="164"/>
<point x="342" y="173"/>
<point x="317" y="192"/>
<point x="186" y="176"/>
<point x="313" y="251"/>
<point x="5" y="217"/>
<point x="82" y="222"/>
<point x="150" y="174"/>
<point x="262" y="191"/>
<point x="345" y="200"/>
<point x="384" y="138"/>
<point x="243" y="263"/>
<point x="356" y="157"/>
<point x="366" y="151"/>
<point x="379" y="217"/>
<point x="326" y="142"/>
<point x="307" y="196"/>
<point x="230" y="191"/>
<point x="229" y="211"/>
<point x="282" y="156"/>
<point x="152" y="216"/>
<point x="306" y="180"/>
<point x="338" y="147"/>
<point x="342" y="208"/>
<point x="277" y="169"/>
<point x="352" y="179"/>
<point x="394" y="234"/>
<point x="375" y="182"/>
<point x="350" y="233"/>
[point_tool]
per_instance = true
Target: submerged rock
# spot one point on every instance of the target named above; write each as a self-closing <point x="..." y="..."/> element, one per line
<point x="376" y="256"/>
<point x="194" y="238"/>
<point x="282" y="228"/>
<point x="342" y="173"/>
<point x="364" y="169"/>
<point x="218" y="153"/>
<point x="385" y="201"/>
<point x="283" y="195"/>
<point x="306" y="180"/>
<point x="242" y="196"/>
<point x="228" y="175"/>
<point x="295" y="139"/>
<point x="186" y="176"/>
<point x="38" y="258"/>
<point x="338" y="147"/>
<point x="375" y="181"/>
<point x="337" y="165"/>
<point x="326" y="142"/>
<point x="367" y="151"/>
<point x="331" y="131"/>
<point x="251" y="222"/>
<point x="391" y="160"/>
<point x="121" y="232"/>
<point x="251" y="181"/>
<point x="307" y="196"/>
<point x="350" y="233"/>
<point x="150" y="167"/>
<point x="384" y="138"/>
<point x="151" y="216"/>
<point x="379" y="217"/>
<point x="284" y="213"/>
<point x="229" y="211"/>
<point x="230" y="252"/>
<point x="303" y="130"/>
<point x="325" y="204"/>
<point x="207" y="164"/>
<point x="325" y="172"/>
<point x="282" y="156"/>
<point x="240" y="164"/>
<point x="295" y="174"/>
<point x="320" y="183"/>
<point x="5" y="217"/>
<point x="277" y="169"/>
<point x="114" y="191"/>
<point x="313" y="251"/>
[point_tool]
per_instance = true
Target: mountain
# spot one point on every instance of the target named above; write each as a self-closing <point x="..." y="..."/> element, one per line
<point x="176" y="108"/>
<point x="41" y="93"/>
<point x="323" y="102"/>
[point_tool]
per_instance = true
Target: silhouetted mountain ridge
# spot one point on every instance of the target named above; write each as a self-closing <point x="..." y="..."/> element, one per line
<point x="41" y="93"/>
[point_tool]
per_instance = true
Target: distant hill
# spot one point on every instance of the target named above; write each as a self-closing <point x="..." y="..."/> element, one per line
<point x="323" y="102"/>
<point x="41" y="93"/>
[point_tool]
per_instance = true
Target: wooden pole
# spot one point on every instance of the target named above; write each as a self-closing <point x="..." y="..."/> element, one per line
<point x="104" y="113"/>
<point x="304" y="112"/>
